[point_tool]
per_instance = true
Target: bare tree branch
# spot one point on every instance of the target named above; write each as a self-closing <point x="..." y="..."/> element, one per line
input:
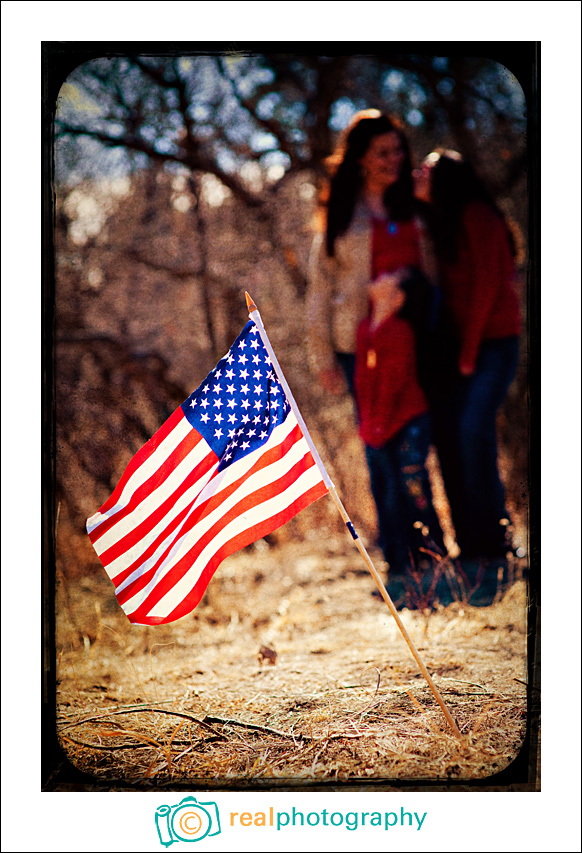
<point x="198" y="162"/>
<point x="250" y="105"/>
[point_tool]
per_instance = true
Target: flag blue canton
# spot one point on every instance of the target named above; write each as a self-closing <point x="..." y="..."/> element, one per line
<point x="240" y="402"/>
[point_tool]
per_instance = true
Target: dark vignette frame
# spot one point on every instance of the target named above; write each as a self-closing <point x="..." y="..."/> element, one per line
<point x="59" y="59"/>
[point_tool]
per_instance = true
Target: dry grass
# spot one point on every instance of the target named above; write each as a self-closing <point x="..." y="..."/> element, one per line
<point x="198" y="702"/>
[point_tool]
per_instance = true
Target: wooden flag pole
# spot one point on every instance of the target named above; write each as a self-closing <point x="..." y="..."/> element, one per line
<point x="256" y="318"/>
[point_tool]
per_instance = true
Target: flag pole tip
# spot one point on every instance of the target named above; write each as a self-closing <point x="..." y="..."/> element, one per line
<point x="250" y="304"/>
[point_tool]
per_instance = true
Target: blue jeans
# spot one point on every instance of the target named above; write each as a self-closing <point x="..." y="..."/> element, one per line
<point x="466" y="441"/>
<point x="402" y="493"/>
<point x="401" y="488"/>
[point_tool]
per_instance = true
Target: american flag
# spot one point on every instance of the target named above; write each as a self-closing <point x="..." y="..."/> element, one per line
<point x="229" y="466"/>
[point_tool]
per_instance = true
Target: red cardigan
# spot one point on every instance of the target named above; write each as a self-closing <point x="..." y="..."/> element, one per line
<point x="478" y="286"/>
<point x="388" y="395"/>
<point x="394" y="245"/>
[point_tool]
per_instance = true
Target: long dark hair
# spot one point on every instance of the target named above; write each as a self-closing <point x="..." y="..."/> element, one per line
<point x="453" y="185"/>
<point x="347" y="180"/>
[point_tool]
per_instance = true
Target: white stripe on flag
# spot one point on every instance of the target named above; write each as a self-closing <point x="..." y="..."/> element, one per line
<point x="263" y="477"/>
<point x="204" y="488"/>
<point x="223" y="479"/>
<point x="154" y="499"/>
<point x="144" y="472"/>
<point x="257" y="514"/>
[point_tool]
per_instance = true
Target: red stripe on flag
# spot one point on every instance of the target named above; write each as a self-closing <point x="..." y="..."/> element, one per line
<point x="273" y="456"/>
<point x="156" y="479"/>
<point x="142" y="455"/>
<point x="139" y="617"/>
<point x="185" y="563"/>
<point x="127" y="542"/>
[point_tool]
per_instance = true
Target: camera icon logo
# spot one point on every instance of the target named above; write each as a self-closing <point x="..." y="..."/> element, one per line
<point x="187" y="821"/>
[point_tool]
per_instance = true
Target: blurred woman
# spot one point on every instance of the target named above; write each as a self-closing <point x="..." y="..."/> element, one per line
<point x="373" y="234"/>
<point x="476" y="252"/>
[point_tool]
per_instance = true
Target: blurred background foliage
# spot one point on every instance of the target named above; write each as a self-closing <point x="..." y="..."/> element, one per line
<point x="182" y="181"/>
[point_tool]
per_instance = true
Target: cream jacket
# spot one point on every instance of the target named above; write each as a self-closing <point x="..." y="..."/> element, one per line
<point x="337" y="299"/>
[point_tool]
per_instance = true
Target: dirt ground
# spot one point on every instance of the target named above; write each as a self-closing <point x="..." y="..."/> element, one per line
<point x="288" y="672"/>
